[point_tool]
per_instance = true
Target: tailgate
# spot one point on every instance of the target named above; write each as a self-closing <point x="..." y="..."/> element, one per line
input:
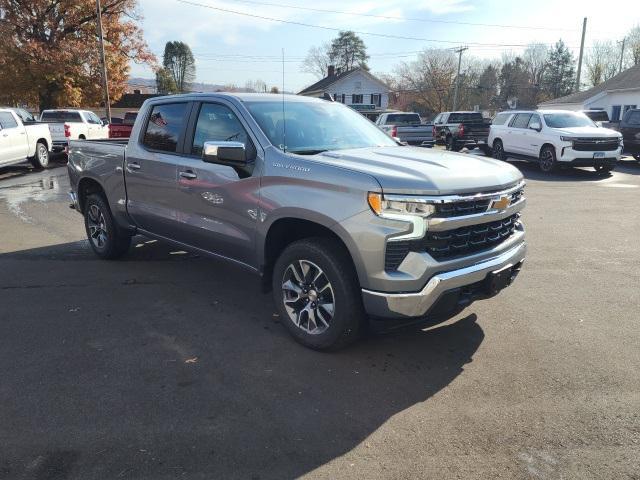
<point x="476" y="130"/>
<point x="418" y="132"/>
<point x="57" y="132"/>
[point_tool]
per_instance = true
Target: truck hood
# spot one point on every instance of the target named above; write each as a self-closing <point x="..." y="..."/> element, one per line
<point x="593" y="132"/>
<point x="423" y="171"/>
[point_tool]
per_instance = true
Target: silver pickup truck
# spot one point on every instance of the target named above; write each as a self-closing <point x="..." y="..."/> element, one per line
<point x="406" y="127"/>
<point x="348" y="227"/>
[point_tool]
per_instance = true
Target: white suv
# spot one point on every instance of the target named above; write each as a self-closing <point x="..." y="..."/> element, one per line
<point x="554" y="137"/>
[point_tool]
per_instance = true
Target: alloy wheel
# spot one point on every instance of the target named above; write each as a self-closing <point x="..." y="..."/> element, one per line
<point x="498" y="152"/>
<point x="308" y="297"/>
<point x="97" y="227"/>
<point x="43" y="155"/>
<point x="546" y="161"/>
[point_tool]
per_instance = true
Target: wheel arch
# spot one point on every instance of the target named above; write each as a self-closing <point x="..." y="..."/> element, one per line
<point x="545" y="145"/>
<point x="87" y="186"/>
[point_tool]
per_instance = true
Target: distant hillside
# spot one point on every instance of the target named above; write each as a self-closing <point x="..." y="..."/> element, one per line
<point x="148" y="85"/>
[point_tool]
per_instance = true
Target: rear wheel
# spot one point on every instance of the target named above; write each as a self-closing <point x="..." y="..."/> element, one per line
<point x="498" y="150"/>
<point x="106" y="239"/>
<point x="548" y="159"/>
<point x="317" y="294"/>
<point x="41" y="158"/>
<point x="451" y="144"/>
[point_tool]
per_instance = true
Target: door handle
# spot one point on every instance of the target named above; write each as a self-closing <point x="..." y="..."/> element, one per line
<point x="188" y="175"/>
<point x="133" y="166"/>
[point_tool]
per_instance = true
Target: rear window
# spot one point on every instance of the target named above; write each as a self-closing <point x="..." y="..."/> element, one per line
<point x="130" y="118"/>
<point x="501" y="118"/>
<point x="597" y="115"/>
<point x="465" y="117"/>
<point x="403" y="119"/>
<point x="61" y="116"/>
<point x="165" y="126"/>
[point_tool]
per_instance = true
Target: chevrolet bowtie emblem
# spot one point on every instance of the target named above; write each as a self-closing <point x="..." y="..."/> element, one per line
<point x="501" y="203"/>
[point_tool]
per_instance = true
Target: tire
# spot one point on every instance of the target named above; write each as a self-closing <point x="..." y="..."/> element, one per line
<point x="547" y="161"/>
<point x="81" y="137"/>
<point x="498" y="150"/>
<point x="603" y="168"/>
<point x="451" y="144"/>
<point x="317" y="294"/>
<point x="41" y="158"/>
<point x="106" y="239"/>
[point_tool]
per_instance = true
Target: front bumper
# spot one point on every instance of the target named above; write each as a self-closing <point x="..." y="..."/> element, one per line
<point x="578" y="158"/>
<point x="419" y="304"/>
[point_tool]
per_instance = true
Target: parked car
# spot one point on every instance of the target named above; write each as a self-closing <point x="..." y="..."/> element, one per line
<point x="123" y="129"/>
<point x="21" y="138"/>
<point x="630" y="129"/>
<point x="457" y="130"/>
<point x="66" y="125"/>
<point x="555" y="137"/>
<point x="599" y="117"/>
<point x="406" y="127"/>
<point x="342" y="222"/>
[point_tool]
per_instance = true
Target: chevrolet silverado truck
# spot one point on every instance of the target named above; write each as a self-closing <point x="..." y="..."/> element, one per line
<point x="348" y="227"/>
<point x="457" y="130"/>
<point x="66" y="125"/>
<point x="22" y="138"/>
<point x="406" y="127"/>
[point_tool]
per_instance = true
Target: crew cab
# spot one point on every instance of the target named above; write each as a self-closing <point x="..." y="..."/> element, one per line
<point x="630" y="129"/>
<point x="22" y="138"/>
<point x="123" y="129"/>
<point x="344" y="224"/>
<point x="555" y="138"/>
<point x="406" y="127"/>
<point x="66" y="125"/>
<point x="458" y="130"/>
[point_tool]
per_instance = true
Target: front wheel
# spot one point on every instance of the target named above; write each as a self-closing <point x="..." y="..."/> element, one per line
<point x="106" y="239"/>
<point x="548" y="162"/>
<point x="41" y="157"/>
<point x="317" y="294"/>
<point x="498" y="150"/>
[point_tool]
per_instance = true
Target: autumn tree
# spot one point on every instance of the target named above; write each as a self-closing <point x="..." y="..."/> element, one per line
<point x="49" y="52"/>
<point x="179" y="62"/>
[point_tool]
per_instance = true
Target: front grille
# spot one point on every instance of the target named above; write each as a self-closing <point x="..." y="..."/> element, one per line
<point x="395" y="253"/>
<point x="596" y="145"/>
<point x="467" y="240"/>
<point x="457" y="209"/>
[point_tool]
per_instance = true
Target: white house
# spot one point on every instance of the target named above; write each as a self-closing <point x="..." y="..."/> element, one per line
<point x="615" y="96"/>
<point x="356" y="88"/>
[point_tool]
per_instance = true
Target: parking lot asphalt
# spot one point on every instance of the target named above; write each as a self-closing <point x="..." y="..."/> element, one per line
<point x="166" y="365"/>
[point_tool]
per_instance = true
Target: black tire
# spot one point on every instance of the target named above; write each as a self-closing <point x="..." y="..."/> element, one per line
<point x="106" y="239"/>
<point x="547" y="161"/>
<point x="603" y="168"/>
<point x="81" y="137"/>
<point x="498" y="150"/>
<point x="451" y="144"/>
<point x="334" y="327"/>
<point x="41" y="157"/>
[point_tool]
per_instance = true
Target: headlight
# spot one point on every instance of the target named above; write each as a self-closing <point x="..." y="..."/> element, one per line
<point x="403" y="210"/>
<point x="390" y="208"/>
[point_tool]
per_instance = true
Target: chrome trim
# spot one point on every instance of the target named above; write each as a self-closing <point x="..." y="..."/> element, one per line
<point x="438" y="224"/>
<point x="453" y="198"/>
<point x="418" y="304"/>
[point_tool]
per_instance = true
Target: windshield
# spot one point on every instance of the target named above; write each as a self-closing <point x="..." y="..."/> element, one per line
<point x="397" y="119"/>
<point x="567" y="120"/>
<point x="313" y="127"/>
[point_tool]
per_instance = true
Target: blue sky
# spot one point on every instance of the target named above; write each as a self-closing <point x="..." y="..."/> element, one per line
<point x="224" y="43"/>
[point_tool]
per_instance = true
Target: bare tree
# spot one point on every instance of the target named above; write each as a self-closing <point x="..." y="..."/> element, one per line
<point x="318" y="60"/>
<point x="258" y="86"/>
<point x="632" y="47"/>
<point x="602" y="62"/>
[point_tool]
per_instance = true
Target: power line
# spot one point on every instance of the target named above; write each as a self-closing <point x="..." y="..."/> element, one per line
<point x="335" y="29"/>
<point x="410" y="19"/>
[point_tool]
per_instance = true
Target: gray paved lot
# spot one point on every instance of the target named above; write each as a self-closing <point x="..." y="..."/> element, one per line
<point x="165" y="365"/>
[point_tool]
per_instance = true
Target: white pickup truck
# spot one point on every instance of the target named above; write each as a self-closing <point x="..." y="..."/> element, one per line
<point x="66" y="125"/>
<point x="21" y="138"/>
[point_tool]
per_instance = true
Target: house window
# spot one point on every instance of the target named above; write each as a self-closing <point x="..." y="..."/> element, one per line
<point x="615" y="113"/>
<point x="356" y="98"/>
<point x="376" y="99"/>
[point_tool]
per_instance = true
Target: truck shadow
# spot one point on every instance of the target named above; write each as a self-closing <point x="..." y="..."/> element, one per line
<point x="169" y="365"/>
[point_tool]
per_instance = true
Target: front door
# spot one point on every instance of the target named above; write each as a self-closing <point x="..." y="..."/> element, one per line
<point x="217" y="204"/>
<point x="151" y="169"/>
<point x="13" y="141"/>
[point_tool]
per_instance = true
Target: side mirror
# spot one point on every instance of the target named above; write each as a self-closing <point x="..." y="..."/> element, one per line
<point x="535" y="126"/>
<point x="233" y="154"/>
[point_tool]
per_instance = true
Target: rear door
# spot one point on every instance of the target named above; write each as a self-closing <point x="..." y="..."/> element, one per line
<point x="94" y="125"/>
<point x="217" y="204"/>
<point x="151" y="169"/>
<point x="516" y="137"/>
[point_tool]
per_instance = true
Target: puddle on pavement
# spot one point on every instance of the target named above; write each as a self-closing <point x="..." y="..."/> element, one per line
<point x="45" y="187"/>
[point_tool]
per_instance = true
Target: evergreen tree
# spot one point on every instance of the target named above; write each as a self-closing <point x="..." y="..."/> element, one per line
<point x="348" y="51"/>
<point x="559" y="76"/>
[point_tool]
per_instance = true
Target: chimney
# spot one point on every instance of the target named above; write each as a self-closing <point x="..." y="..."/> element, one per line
<point x="331" y="71"/>
<point x="136" y="92"/>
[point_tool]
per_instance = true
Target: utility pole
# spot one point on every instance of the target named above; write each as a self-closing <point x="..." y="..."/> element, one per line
<point x="107" y="103"/>
<point x="584" y="30"/>
<point x="622" y="54"/>
<point x="455" y="93"/>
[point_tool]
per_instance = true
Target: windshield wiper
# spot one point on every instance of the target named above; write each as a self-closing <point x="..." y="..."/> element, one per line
<point x="308" y="152"/>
